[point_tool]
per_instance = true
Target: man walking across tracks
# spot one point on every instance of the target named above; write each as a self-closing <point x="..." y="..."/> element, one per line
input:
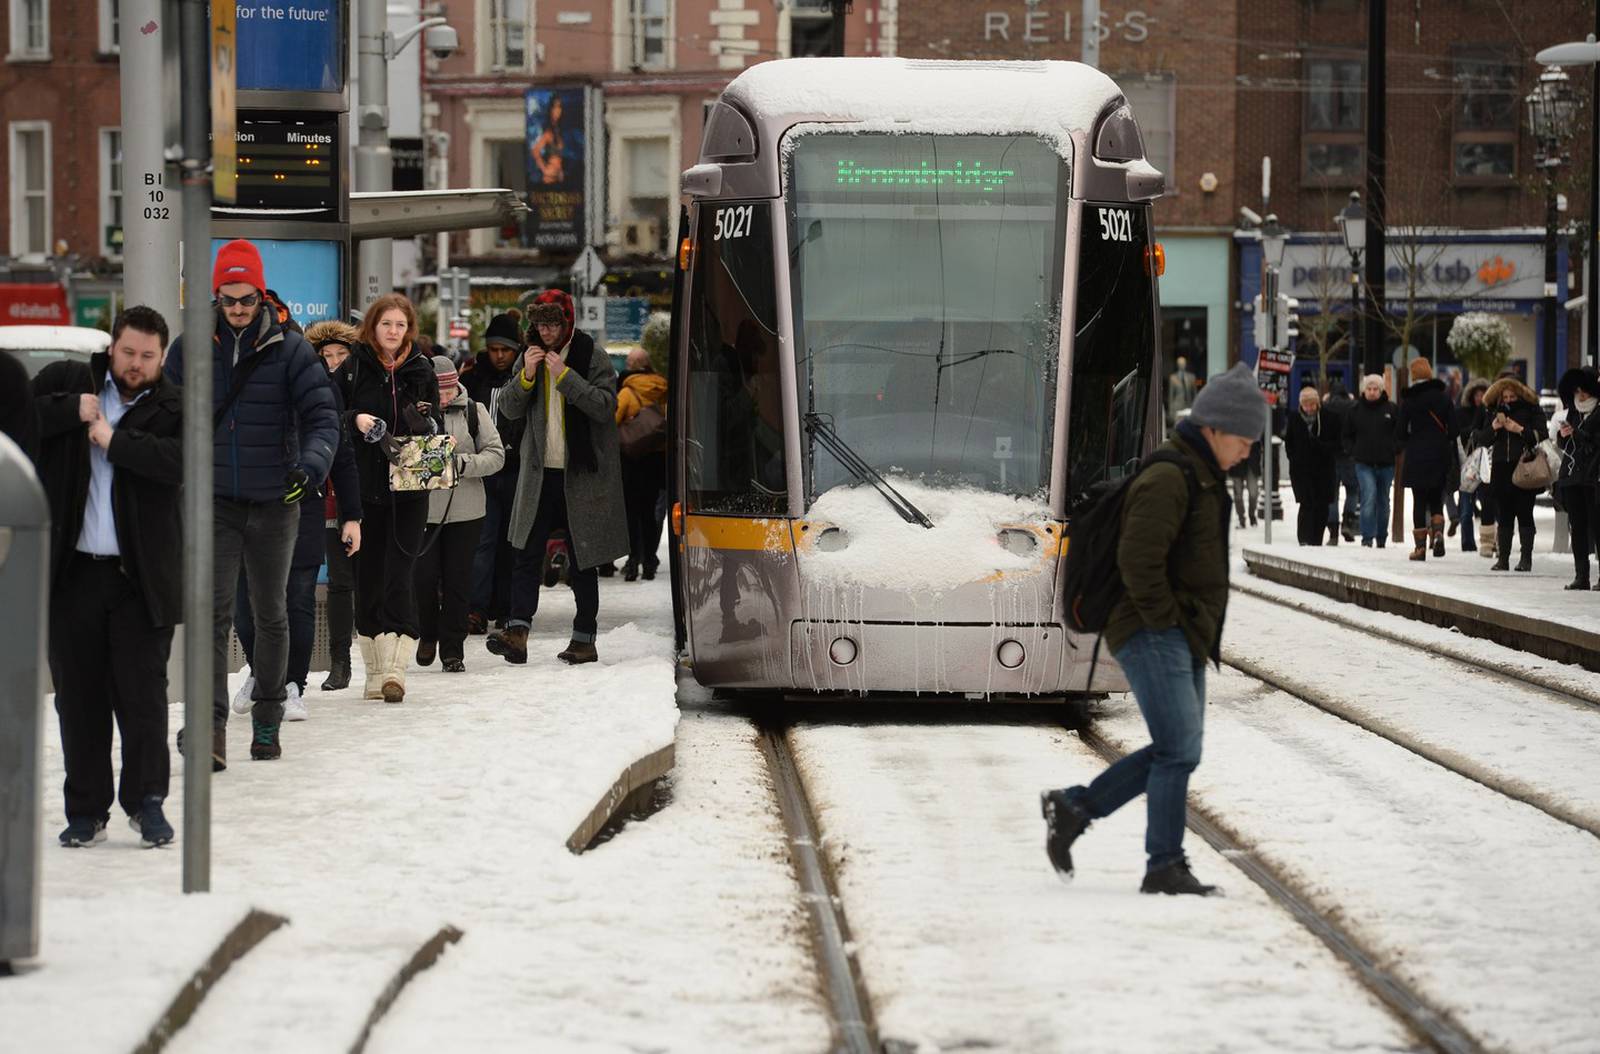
<point x="1173" y="558"/>
<point x="111" y="460"/>
<point x="276" y="434"/>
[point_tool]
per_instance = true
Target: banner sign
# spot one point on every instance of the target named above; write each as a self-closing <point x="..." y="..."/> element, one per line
<point x="1445" y="271"/>
<point x="224" y="58"/>
<point x="557" y="151"/>
<point x="289" y="45"/>
<point x="1272" y="373"/>
<point x="33" y="304"/>
<point x="306" y="275"/>
<point x="625" y="318"/>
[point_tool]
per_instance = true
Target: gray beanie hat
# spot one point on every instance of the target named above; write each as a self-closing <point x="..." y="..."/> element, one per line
<point x="1231" y="402"/>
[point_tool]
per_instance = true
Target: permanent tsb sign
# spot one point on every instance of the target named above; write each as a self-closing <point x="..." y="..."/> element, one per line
<point x="1446" y="271"/>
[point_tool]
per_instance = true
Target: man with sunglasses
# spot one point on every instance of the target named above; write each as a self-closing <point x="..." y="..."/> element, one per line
<point x="277" y="429"/>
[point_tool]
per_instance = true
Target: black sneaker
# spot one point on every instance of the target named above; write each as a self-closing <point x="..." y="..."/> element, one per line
<point x="1176" y="878"/>
<point x="83" y="833"/>
<point x="264" y="718"/>
<point x="1064" y="821"/>
<point x="454" y="666"/>
<point x="151" y="823"/>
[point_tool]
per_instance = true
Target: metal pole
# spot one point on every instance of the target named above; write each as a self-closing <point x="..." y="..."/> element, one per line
<point x="1355" y="320"/>
<point x="1091" y="33"/>
<point x="198" y="322"/>
<point x="1269" y="304"/>
<point x="1377" y="202"/>
<point x="374" y="166"/>
<point x="442" y="253"/>
<point x="151" y="213"/>
<point x="1549" y="365"/>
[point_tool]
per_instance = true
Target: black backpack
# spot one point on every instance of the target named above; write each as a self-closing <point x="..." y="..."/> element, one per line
<point x="1092" y="585"/>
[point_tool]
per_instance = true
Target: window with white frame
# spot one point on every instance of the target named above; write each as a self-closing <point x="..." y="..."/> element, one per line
<point x="647" y="27"/>
<point x="30" y="188"/>
<point x="647" y="195"/>
<point x="30" y="29"/>
<point x="110" y="27"/>
<point x="111" y="191"/>
<point x="1153" y="98"/>
<point x="507" y="23"/>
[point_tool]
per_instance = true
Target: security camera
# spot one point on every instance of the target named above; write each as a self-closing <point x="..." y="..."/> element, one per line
<point x="441" y="41"/>
<point x="1251" y="217"/>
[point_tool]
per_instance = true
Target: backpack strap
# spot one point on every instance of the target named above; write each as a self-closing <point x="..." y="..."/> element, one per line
<point x="472" y="421"/>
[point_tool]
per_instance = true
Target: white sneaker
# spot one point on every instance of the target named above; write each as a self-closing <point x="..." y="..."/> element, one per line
<point x="294" y="704"/>
<point x="241" y="699"/>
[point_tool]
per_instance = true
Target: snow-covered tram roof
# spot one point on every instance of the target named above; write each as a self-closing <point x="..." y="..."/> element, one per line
<point x="1050" y="99"/>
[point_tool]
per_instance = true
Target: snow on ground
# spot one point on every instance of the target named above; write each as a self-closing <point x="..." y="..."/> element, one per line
<point x="381" y="823"/>
<point x="1484" y="904"/>
<point x="1487" y="728"/>
<point x="968" y="941"/>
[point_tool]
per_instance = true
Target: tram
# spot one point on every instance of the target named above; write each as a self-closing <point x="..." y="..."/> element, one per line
<point x="915" y="314"/>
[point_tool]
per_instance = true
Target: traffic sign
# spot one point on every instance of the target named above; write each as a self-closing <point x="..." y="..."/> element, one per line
<point x="460" y="329"/>
<point x="588" y="270"/>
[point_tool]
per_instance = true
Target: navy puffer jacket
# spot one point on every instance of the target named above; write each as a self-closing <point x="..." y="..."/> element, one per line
<point x="284" y="417"/>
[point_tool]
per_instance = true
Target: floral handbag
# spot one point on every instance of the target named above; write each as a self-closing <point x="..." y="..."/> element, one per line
<point x="424" y="463"/>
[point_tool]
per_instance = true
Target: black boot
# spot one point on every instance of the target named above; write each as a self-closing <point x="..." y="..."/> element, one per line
<point x="1175" y="878"/>
<point x="1064" y="821"/>
<point x="1502" y="551"/>
<point x="1579" y="581"/>
<point x="1526" y="562"/>
<point x="338" y="677"/>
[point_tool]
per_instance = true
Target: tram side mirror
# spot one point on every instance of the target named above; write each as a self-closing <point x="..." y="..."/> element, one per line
<point x="813" y="233"/>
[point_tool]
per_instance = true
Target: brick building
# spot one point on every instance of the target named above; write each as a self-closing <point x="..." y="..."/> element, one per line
<point x="62" y="145"/>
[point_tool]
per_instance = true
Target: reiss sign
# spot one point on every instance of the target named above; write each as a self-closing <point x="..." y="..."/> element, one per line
<point x="1037" y="26"/>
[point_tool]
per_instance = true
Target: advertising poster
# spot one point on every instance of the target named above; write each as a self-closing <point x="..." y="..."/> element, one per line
<point x="306" y="275"/>
<point x="289" y="45"/>
<point x="557" y="155"/>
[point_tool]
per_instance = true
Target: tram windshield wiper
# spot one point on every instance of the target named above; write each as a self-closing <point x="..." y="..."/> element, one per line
<point x="823" y="433"/>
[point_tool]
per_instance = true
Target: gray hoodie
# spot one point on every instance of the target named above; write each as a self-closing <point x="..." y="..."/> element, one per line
<point x="473" y="462"/>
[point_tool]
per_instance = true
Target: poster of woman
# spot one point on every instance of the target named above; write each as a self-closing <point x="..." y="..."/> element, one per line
<point x="556" y="156"/>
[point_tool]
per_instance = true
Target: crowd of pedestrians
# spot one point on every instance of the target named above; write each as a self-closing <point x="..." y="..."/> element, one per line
<point x="432" y="496"/>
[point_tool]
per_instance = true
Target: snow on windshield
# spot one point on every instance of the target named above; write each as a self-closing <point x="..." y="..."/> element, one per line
<point x="883" y="550"/>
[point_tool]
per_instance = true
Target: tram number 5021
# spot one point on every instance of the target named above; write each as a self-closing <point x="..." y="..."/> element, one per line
<point x="1116" y="225"/>
<point x="734" y="223"/>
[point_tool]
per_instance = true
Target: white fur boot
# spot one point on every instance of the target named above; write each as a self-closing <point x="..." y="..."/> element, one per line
<point x="401" y="651"/>
<point x="373" y="689"/>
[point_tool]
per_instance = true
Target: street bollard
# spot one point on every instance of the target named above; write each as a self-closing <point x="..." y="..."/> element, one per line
<point x="24" y="596"/>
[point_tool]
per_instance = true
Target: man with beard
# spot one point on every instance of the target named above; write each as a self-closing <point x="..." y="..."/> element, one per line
<point x="111" y="460"/>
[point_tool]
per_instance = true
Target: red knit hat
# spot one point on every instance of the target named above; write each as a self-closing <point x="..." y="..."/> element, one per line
<point x="238" y="261"/>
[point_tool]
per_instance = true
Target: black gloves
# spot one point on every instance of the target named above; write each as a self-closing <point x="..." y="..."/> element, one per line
<point x="295" y="484"/>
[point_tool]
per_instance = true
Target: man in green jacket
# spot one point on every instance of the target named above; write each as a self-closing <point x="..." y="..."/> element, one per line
<point x="1173" y="557"/>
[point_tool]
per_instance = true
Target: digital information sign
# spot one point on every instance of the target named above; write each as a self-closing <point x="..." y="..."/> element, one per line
<point x="963" y="168"/>
<point x="306" y="275"/>
<point x="289" y="45"/>
<point x="289" y="167"/>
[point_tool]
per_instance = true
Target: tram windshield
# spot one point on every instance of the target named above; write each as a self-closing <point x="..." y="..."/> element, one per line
<point x="926" y="275"/>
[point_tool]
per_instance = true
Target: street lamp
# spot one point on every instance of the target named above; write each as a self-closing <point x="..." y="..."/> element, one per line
<point x="1587" y="53"/>
<point x="1274" y="240"/>
<point x="1352" y="221"/>
<point x="1551" y="110"/>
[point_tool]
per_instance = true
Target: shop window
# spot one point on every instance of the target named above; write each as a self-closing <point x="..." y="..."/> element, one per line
<point x="735" y="460"/>
<point x="1483" y="147"/>
<point x="1334" y="140"/>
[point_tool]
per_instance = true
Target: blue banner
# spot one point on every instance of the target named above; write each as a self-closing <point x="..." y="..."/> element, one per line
<point x="290" y="45"/>
<point x="625" y="319"/>
<point x="305" y="275"/>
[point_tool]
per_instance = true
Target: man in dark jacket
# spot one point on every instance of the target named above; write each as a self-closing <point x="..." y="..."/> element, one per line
<point x="1369" y="435"/>
<point x="1173" y="558"/>
<point x="111" y="461"/>
<point x="492" y="562"/>
<point x="276" y="433"/>
<point x="1312" y="444"/>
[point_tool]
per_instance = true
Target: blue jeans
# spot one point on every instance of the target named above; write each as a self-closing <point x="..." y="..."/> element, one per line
<point x="1375" y="481"/>
<point x="1169" y="684"/>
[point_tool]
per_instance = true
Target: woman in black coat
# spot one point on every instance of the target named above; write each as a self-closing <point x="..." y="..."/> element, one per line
<point x="1312" y="441"/>
<point x="1426" y="429"/>
<point x="390" y="393"/>
<point x="1514" y="425"/>
<point x="1579" y="441"/>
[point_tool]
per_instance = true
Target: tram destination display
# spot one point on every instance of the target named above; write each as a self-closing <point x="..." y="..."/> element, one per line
<point x="950" y="169"/>
<point x="287" y="168"/>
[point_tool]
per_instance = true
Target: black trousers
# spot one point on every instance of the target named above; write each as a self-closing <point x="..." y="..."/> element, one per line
<point x="528" y="574"/>
<point x="1513" y="510"/>
<point x="1426" y="503"/>
<point x="643" y="480"/>
<point x="391" y="538"/>
<point x="341" y="596"/>
<point x="1583" y="518"/>
<point x="301" y="605"/>
<point x="108" y="661"/>
<point x="1311" y="522"/>
<point x="444" y="582"/>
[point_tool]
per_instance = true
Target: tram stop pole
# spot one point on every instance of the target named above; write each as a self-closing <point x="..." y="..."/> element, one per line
<point x="198" y="323"/>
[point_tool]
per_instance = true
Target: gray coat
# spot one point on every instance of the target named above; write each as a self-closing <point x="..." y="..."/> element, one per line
<point x="594" y="499"/>
<point x="473" y="463"/>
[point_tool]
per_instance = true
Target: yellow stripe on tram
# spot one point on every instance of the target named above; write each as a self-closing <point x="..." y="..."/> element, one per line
<point x="768" y="534"/>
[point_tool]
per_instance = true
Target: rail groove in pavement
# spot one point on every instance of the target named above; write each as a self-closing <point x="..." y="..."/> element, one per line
<point x="842" y="984"/>
<point x="1433" y="1026"/>
<point x="245" y="935"/>
<point x="420" y="960"/>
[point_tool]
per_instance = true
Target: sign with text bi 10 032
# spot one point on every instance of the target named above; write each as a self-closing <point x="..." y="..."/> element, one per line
<point x="290" y="45"/>
<point x="305" y="275"/>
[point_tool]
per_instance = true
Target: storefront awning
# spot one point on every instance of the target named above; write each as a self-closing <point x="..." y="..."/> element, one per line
<point x="408" y="213"/>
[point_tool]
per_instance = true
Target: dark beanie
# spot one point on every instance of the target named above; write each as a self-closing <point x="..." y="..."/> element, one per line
<point x="1231" y="402"/>
<point x="503" y="329"/>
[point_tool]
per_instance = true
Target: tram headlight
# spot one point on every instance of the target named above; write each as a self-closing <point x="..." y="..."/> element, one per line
<point x="832" y="539"/>
<point x="1019" y="542"/>
<point x="1011" y="654"/>
<point x="842" y="651"/>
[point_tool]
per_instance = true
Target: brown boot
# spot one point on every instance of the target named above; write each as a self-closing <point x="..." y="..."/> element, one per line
<point x="1420" y="537"/>
<point x="510" y="644"/>
<point x="579" y="652"/>
<point x="1436" y="532"/>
